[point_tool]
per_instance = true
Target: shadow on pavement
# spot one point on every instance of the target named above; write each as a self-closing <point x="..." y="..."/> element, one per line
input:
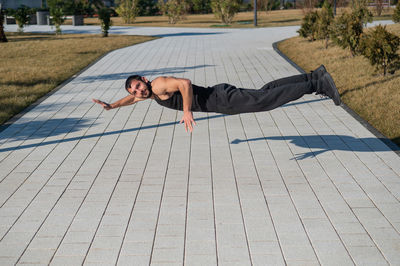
<point x="72" y="125"/>
<point x="326" y="143"/>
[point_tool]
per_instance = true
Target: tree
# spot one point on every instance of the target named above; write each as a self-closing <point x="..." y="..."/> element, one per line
<point x="396" y="14"/>
<point x="378" y="7"/>
<point x="324" y="22"/>
<point x="57" y="13"/>
<point x="225" y="9"/>
<point x="202" y="6"/>
<point x="74" y="7"/>
<point x="360" y="10"/>
<point x="127" y="10"/>
<point x="346" y="32"/>
<point x="22" y="16"/>
<point x="309" y="26"/>
<point x="105" y="20"/>
<point x="146" y="7"/>
<point x="175" y="10"/>
<point x="380" y="47"/>
<point x="3" y="37"/>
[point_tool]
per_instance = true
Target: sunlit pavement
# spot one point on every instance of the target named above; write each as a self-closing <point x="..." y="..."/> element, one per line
<point x="304" y="184"/>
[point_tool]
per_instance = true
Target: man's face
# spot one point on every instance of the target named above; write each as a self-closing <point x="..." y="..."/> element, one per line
<point x="139" y="89"/>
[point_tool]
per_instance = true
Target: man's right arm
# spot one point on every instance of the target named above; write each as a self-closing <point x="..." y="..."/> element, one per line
<point x="128" y="100"/>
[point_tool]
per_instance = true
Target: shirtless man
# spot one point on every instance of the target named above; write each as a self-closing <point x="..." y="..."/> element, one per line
<point x="181" y="94"/>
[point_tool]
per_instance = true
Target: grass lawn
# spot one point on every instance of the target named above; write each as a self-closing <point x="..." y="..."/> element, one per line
<point x="374" y="97"/>
<point x="34" y="64"/>
<point x="276" y="18"/>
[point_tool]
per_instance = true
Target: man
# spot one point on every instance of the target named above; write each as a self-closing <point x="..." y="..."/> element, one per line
<point x="181" y="94"/>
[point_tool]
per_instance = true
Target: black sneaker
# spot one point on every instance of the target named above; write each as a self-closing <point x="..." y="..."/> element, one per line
<point x="318" y="73"/>
<point x="327" y="87"/>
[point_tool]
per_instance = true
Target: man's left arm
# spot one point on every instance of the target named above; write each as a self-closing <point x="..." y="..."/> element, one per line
<point x="186" y="89"/>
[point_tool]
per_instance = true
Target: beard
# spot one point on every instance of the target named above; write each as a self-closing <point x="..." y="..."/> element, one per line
<point x="148" y="88"/>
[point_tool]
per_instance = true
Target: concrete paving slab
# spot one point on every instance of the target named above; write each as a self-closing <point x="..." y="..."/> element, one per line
<point x="303" y="184"/>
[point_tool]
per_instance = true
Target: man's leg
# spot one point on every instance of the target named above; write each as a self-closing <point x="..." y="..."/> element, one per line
<point x="314" y="75"/>
<point x="288" y="80"/>
<point x="232" y="100"/>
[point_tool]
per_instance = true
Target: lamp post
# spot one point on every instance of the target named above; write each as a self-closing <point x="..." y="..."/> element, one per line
<point x="334" y="7"/>
<point x="255" y="13"/>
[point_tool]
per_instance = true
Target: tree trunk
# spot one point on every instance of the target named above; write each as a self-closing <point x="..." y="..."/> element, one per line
<point x="3" y="37"/>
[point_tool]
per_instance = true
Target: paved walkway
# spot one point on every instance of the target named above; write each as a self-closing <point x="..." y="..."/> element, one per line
<point x="304" y="184"/>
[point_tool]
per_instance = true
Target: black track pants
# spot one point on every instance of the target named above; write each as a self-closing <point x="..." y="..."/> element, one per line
<point x="232" y="100"/>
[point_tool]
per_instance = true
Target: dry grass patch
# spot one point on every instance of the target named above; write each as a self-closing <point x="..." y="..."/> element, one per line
<point x="34" y="64"/>
<point x="241" y="20"/>
<point x="374" y="97"/>
<point x="275" y="18"/>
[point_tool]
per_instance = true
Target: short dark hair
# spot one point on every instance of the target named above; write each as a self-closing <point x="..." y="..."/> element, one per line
<point x="130" y="79"/>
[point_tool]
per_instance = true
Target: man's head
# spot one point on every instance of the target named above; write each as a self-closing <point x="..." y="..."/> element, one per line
<point x="138" y="86"/>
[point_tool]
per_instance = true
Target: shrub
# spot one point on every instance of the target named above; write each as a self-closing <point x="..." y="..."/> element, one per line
<point x="74" y="7"/>
<point x="380" y="47"/>
<point x="346" y="32"/>
<point x="175" y="10"/>
<point x="225" y="9"/>
<point x="146" y="7"/>
<point x="57" y="12"/>
<point x="361" y="11"/>
<point x="201" y="6"/>
<point x="105" y="20"/>
<point x="21" y="16"/>
<point x="396" y="14"/>
<point x="127" y="10"/>
<point x="309" y="26"/>
<point x="324" y="22"/>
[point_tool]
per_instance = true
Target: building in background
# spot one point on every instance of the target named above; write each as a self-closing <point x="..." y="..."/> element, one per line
<point x="36" y="3"/>
<point x="17" y="3"/>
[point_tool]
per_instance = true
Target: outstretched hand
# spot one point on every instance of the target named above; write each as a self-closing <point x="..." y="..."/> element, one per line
<point x="188" y="120"/>
<point x="104" y="104"/>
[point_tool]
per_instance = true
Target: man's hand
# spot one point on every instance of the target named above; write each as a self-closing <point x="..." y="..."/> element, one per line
<point x="105" y="105"/>
<point x="188" y="119"/>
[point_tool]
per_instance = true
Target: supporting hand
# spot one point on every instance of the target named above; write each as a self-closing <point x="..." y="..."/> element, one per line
<point x="188" y="119"/>
<point x="104" y="104"/>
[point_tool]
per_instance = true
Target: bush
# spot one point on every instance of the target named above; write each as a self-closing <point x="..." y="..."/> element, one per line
<point x="346" y="32"/>
<point x="146" y="7"/>
<point x="175" y="10"/>
<point x="21" y="16"/>
<point x="225" y="9"/>
<point x="380" y="47"/>
<point x="324" y="22"/>
<point x="201" y="6"/>
<point x="396" y="14"/>
<point x="127" y="10"/>
<point x="74" y="7"/>
<point x="105" y="20"/>
<point x="57" y="12"/>
<point x="361" y="11"/>
<point x="309" y="26"/>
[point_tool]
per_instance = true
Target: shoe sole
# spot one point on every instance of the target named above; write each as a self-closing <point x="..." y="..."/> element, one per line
<point x="336" y="96"/>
